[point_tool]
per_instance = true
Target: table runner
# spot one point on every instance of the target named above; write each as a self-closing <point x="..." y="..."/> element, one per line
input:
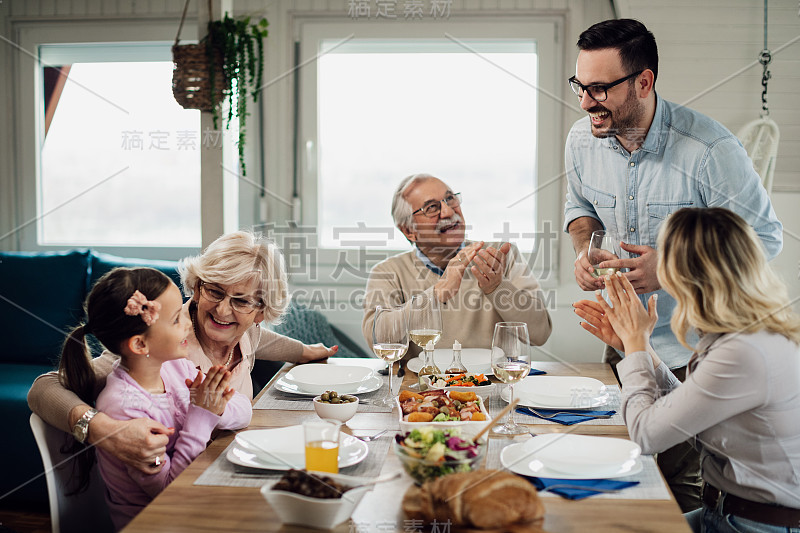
<point x="275" y="399"/>
<point x="495" y="403"/>
<point x="223" y="473"/>
<point x="651" y="486"/>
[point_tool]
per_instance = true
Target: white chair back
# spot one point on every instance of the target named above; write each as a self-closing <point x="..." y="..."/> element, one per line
<point x="760" y="138"/>
<point x="86" y="511"/>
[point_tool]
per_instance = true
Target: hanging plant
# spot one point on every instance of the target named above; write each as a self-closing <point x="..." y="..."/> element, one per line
<point x="241" y="45"/>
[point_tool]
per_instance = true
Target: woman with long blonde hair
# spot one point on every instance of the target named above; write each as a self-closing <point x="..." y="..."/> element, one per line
<point x="740" y="403"/>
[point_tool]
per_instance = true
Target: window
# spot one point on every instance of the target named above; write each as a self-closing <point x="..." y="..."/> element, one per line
<point x="464" y="101"/>
<point x="120" y="159"/>
<point x="63" y="155"/>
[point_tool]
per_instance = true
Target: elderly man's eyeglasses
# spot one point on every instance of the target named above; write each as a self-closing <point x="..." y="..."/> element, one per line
<point x="212" y="293"/>
<point x="598" y="91"/>
<point x="433" y="208"/>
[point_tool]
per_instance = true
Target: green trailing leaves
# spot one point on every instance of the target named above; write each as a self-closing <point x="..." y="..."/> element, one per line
<point x="242" y="46"/>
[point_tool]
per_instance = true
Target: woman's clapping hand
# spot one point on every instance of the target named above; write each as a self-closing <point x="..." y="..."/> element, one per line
<point x="632" y="323"/>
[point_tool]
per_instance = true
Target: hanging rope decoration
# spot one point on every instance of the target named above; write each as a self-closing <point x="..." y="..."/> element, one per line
<point x="765" y="59"/>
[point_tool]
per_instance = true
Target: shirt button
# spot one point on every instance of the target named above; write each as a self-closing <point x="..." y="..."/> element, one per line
<point x="633" y="164"/>
<point x="633" y="229"/>
<point x="616" y="147"/>
<point x="595" y="202"/>
<point x="630" y="197"/>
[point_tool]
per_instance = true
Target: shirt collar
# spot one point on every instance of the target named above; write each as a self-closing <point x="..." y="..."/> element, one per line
<point x="657" y="134"/>
<point x="428" y="263"/>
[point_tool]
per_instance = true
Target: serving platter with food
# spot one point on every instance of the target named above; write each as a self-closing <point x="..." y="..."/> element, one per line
<point x="463" y="382"/>
<point x="443" y="409"/>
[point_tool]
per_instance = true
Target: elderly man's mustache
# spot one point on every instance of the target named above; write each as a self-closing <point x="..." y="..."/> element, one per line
<point x="448" y="222"/>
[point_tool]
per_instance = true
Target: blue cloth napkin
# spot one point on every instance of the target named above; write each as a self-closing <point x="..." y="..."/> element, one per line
<point x="535" y="372"/>
<point x="563" y="419"/>
<point x="570" y="493"/>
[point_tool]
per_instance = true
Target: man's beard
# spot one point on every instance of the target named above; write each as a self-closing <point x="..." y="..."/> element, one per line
<point x="625" y="120"/>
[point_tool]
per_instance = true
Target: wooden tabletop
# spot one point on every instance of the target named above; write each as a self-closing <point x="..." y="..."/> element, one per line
<point x="184" y="507"/>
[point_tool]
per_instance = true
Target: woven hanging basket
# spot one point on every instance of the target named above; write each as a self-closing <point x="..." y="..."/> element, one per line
<point x="191" y="75"/>
<point x="191" y="83"/>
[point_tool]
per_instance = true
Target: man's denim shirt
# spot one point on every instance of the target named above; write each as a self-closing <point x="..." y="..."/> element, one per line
<point x="686" y="160"/>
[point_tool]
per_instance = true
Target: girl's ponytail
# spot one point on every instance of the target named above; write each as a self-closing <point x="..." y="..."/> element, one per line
<point x="75" y="370"/>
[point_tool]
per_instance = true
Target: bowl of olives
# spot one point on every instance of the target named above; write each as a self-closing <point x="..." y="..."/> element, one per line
<point x="331" y="404"/>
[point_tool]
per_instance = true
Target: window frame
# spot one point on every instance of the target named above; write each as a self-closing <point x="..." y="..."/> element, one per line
<point x="29" y="118"/>
<point x="549" y="156"/>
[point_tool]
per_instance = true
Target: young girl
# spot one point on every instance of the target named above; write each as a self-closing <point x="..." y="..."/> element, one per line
<point x="137" y="314"/>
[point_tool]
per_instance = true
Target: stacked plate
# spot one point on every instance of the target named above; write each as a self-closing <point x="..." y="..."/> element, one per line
<point x="314" y="379"/>
<point x="568" y="456"/>
<point x="477" y="360"/>
<point x="559" y="392"/>
<point x="283" y="448"/>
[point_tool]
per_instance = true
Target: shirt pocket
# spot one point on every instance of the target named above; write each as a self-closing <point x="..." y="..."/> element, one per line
<point x="604" y="204"/>
<point x="659" y="211"/>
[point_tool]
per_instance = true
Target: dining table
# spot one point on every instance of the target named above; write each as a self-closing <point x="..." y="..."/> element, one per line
<point x="192" y="504"/>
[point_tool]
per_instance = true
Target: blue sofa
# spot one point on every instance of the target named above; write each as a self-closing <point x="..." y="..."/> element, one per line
<point x="41" y="299"/>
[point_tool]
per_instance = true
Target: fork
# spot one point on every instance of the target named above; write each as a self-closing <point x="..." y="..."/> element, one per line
<point x="368" y="438"/>
<point x="541" y="415"/>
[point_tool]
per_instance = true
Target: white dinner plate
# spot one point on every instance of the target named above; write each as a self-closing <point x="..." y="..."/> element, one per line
<point x="559" y="392"/>
<point x="372" y="384"/>
<point x="273" y="445"/>
<point x="318" y="378"/>
<point x="351" y="451"/>
<point x="477" y="360"/>
<point x="553" y="455"/>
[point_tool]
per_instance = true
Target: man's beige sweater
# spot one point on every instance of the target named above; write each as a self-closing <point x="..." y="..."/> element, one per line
<point x="471" y="315"/>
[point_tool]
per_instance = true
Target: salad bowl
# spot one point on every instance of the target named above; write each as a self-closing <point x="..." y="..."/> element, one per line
<point x="427" y="453"/>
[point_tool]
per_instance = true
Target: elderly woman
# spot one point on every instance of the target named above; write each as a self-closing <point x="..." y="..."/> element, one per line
<point x="238" y="282"/>
<point x="739" y="404"/>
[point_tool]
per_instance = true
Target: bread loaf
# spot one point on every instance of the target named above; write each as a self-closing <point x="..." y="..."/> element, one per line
<point x="482" y="499"/>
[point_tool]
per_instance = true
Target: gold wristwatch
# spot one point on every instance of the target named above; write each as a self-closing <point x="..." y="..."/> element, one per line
<point x="81" y="428"/>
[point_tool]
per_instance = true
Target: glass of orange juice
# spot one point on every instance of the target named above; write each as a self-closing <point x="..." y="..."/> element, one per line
<point x="322" y="445"/>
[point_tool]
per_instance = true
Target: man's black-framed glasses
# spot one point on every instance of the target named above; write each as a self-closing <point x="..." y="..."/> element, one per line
<point x="598" y="91"/>
<point x="433" y="208"/>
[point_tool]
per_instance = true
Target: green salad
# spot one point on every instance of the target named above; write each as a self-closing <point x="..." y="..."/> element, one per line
<point x="428" y="453"/>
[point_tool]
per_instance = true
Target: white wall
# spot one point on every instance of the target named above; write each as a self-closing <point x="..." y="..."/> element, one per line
<point x="699" y="45"/>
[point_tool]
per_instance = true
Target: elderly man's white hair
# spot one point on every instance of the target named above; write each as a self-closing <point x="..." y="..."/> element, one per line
<point x="401" y="209"/>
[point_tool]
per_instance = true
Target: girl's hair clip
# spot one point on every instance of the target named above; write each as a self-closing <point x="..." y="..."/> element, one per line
<point x="139" y="305"/>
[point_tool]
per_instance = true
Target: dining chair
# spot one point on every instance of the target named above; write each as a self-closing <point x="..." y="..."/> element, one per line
<point x="85" y="511"/>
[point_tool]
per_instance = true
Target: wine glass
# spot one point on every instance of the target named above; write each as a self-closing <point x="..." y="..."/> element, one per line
<point x="425" y="324"/>
<point x="602" y="247"/>
<point x="511" y="362"/>
<point x="389" y="342"/>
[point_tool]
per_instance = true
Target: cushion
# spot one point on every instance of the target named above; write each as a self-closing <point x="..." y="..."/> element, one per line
<point x="41" y="299"/>
<point x="310" y="327"/>
<point x="102" y="263"/>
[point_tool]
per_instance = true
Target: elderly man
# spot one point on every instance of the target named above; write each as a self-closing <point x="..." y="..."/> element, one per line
<point x="476" y="286"/>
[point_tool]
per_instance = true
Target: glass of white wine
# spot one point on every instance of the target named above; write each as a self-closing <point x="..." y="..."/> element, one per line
<point x="603" y="246"/>
<point x="511" y="362"/>
<point x="389" y="342"/>
<point x="425" y="324"/>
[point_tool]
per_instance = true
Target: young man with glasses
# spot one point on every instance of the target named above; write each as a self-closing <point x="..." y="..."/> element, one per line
<point x="634" y="160"/>
<point x="476" y="284"/>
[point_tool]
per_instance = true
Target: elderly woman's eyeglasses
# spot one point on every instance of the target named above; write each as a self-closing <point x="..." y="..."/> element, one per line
<point x="212" y="293"/>
<point x="598" y="91"/>
<point x="433" y="208"/>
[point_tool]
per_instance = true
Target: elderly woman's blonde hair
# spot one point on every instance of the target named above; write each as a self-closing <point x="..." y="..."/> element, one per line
<point x="238" y="257"/>
<point x="713" y="263"/>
